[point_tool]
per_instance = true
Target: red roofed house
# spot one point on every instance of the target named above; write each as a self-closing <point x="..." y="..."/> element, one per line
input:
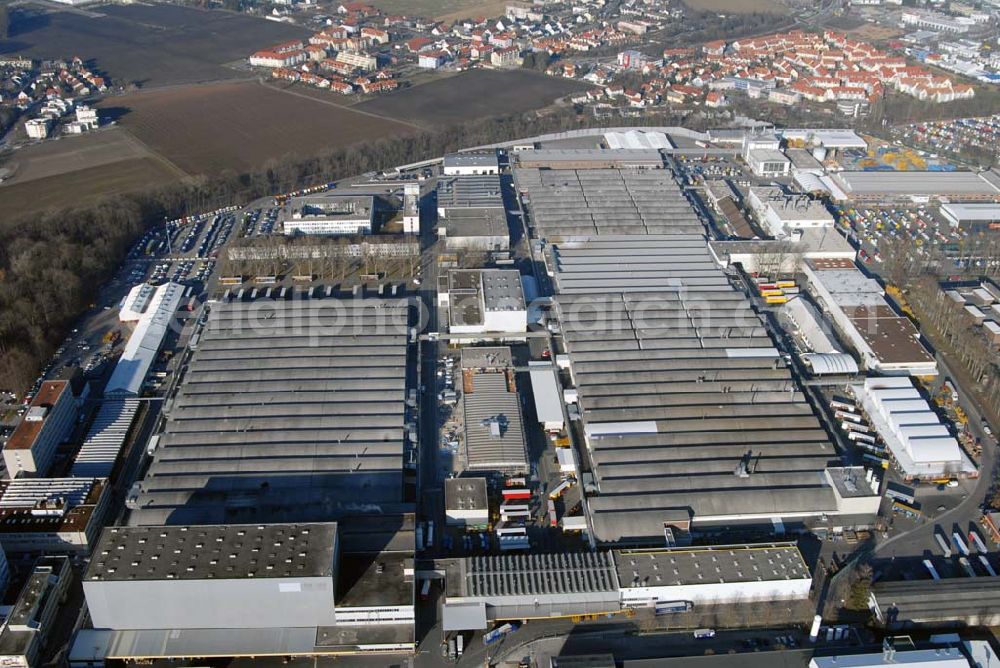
<point x="274" y="59"/>
<point x="716" y="48"/>
<point x="715" y="99"/>
<point x="419" y="44"/>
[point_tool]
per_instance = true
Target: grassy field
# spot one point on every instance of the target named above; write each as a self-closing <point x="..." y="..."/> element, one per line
<point x="472" y="94"/>
<point x="84" y="185"/>
<point x="737" y="6"/>
<point x="239" y="126"/>
<point x="873" y="33"/>
<point x="70" y="154"/>
<point x="149" y="44"/>
<point x="445" y="10"/>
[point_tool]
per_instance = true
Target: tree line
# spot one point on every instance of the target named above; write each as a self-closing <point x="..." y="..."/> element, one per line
<point x="52" y="264"/>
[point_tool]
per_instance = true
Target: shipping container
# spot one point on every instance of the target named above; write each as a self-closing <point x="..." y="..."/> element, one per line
<point x="776" y="300"/>
<point x="516" y="493"/>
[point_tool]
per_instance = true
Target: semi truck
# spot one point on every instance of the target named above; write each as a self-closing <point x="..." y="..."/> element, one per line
<point x="945" y="548"/>
<point x="959" y="541"/>
<point x="496" y="634"/>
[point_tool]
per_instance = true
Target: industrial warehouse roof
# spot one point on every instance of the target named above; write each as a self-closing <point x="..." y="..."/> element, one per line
<point x="832" y="138"/>
<point x="105" y="438"/>
<point x="569" y="203"/>
<point x="710" y="565"/>
<point x="475" y="222"/>
<point x="926" y="184"/>
<point x="919" y="442"/>
<point x="546" y="392"/>
<point x="637" y="139"/>
<point x="971" y="211"/>
<point x="471" y="160"/>
<point x="952" y="600"/>
<point x="494" y="436"/>
<point x="487" y="357"/>
<point x="943" y="657"/>
<point x="892" y="338"/>
<point x="635" y="263"/>
<point x="825" y="363"/>
<point x="145" y="341"/>
<point x="288" y="411"/>
<point x="465" y="494"/>
<point x="591" y="158"/>
<point x="476" y="191"/>
<point x="689" y="410"/>
<point x="475" y="292"/>
<point x="221" y="552"/>
<point x="538" y="574"/>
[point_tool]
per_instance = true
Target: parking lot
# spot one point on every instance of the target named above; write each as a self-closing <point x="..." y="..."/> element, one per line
<point x="922" y="226"/>
<point x="955" y="137"/>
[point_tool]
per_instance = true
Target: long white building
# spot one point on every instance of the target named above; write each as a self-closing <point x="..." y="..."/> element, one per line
<point x="921" y="445"/>
<point x="329" y="215"/>
<point x="152" y="325"/>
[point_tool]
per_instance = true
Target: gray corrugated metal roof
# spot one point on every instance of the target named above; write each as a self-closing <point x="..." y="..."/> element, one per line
<point x="665" y="359"/>
<point x="705" y="565"/>
<point x="572" y="203"/>
<point x="915" y="183"/>
<point x="539" y="574"/>
<point x="305" y="396"/>
<point x="494" y="435"/>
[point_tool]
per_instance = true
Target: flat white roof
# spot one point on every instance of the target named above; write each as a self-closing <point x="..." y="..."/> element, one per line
<point x="545" y="389"/>
<point x="833" y="138"/>
<point x="942" y="658"/>
<point x="145" y="342"/>
<point x="976" y="211"/>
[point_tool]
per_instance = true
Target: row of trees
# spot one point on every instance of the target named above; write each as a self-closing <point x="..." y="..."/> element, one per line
<point x="947" y="323"/>
<point x="52" y="264"/>
<point x="951" y="325"/>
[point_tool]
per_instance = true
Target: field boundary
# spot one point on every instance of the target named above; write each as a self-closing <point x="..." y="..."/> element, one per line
<point x="156" y="155"/>
<point x="289" y="91"/>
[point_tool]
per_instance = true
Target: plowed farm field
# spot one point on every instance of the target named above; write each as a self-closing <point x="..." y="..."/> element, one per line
<point x="240" y="126"/>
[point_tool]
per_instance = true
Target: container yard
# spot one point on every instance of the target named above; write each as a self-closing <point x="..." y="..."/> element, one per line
<point x="868" y="226"/>
<point x="955" y="136"/>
